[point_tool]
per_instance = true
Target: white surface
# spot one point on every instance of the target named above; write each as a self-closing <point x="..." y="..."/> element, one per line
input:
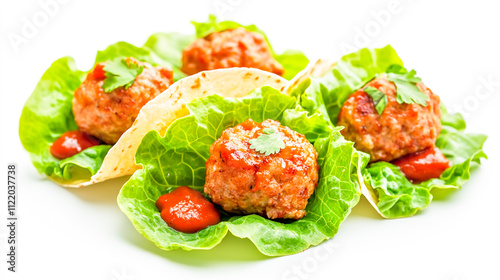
<point x="81" y="234"/>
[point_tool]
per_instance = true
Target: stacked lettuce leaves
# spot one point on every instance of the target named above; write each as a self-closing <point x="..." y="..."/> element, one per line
<point x="178" y="159"/>
<point x="397" y="196"/>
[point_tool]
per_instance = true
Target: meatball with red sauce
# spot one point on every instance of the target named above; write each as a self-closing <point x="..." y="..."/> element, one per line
<point x="107" y="115"/>
<point x="229" y="48"/>
<point x="245" y="181"/>
<point x="401" y="129"/>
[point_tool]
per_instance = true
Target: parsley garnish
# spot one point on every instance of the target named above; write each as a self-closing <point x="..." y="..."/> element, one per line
<point x="270" y="142"/>
<point x="120" y="74"/>
<point x="407" y="91"/>
<point x="379" y="98"/>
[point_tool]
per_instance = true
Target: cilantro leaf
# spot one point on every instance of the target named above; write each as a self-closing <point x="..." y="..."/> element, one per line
<point x="379" y="98"/>
<point x="120" y="74"/>
<point x="268" y="143"/>
<point x="406" y="88"/>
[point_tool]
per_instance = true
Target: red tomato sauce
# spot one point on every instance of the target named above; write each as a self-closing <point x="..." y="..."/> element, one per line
<point x="98" y="72"/>
<point x="71" y="143"/>
<point x="423" y="165"/>
<point x="187" y="210"/>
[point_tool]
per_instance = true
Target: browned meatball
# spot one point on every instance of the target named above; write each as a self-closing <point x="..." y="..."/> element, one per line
<point x="244" y="181"/>
<point x="401" y="128"/>
<point x="230" y="48"/>
<point x="108" y="115"/>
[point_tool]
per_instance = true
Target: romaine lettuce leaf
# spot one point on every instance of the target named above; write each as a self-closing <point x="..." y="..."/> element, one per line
<point x="163" y="49"/>
<point x="310" y="95"/>
<point x="167" y="48"/>
<point x="124" y="49"/>
<point x="204" y="29"/>
<point x="293" y="61"/>
<point x="179" y="158"/>
<point x="48" y="113"/>
<point x="397" y="197"/>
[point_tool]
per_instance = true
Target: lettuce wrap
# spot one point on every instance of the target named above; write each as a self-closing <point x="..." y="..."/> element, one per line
<point x="48" y="113"/>
<point x="326" y="87"/>
<point x="178" y="159"/>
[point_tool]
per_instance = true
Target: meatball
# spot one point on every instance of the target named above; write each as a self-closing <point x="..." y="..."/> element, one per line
<point x="230" y="48"/>
<point x="401" y="129"/>
<point x="107" y="115"/>
<point x="245" y="181"/>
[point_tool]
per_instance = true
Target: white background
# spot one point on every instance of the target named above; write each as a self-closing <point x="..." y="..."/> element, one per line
<point x="81" y="233"/>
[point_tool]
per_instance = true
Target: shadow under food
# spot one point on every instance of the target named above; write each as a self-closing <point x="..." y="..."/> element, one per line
<point x="231" y="249"/>
<point x="102" y="193"/>
<point x="365" y="209"/>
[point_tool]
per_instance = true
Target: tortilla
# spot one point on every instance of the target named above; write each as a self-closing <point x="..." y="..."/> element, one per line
<point x="160" y="112"/>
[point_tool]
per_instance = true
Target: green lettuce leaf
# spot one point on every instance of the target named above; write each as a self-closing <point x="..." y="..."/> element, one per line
<point x="397" y="197"/>
<point x="310" y="97"/>
<point x="204" y="29"/>
<point x="168" y="47"/>
<point x="48" y="113"/>
<point x="163" y="49"/>
<point x="293" y="61"/>
<point x="122" y="50"/>
<point x="179" y="159"/>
